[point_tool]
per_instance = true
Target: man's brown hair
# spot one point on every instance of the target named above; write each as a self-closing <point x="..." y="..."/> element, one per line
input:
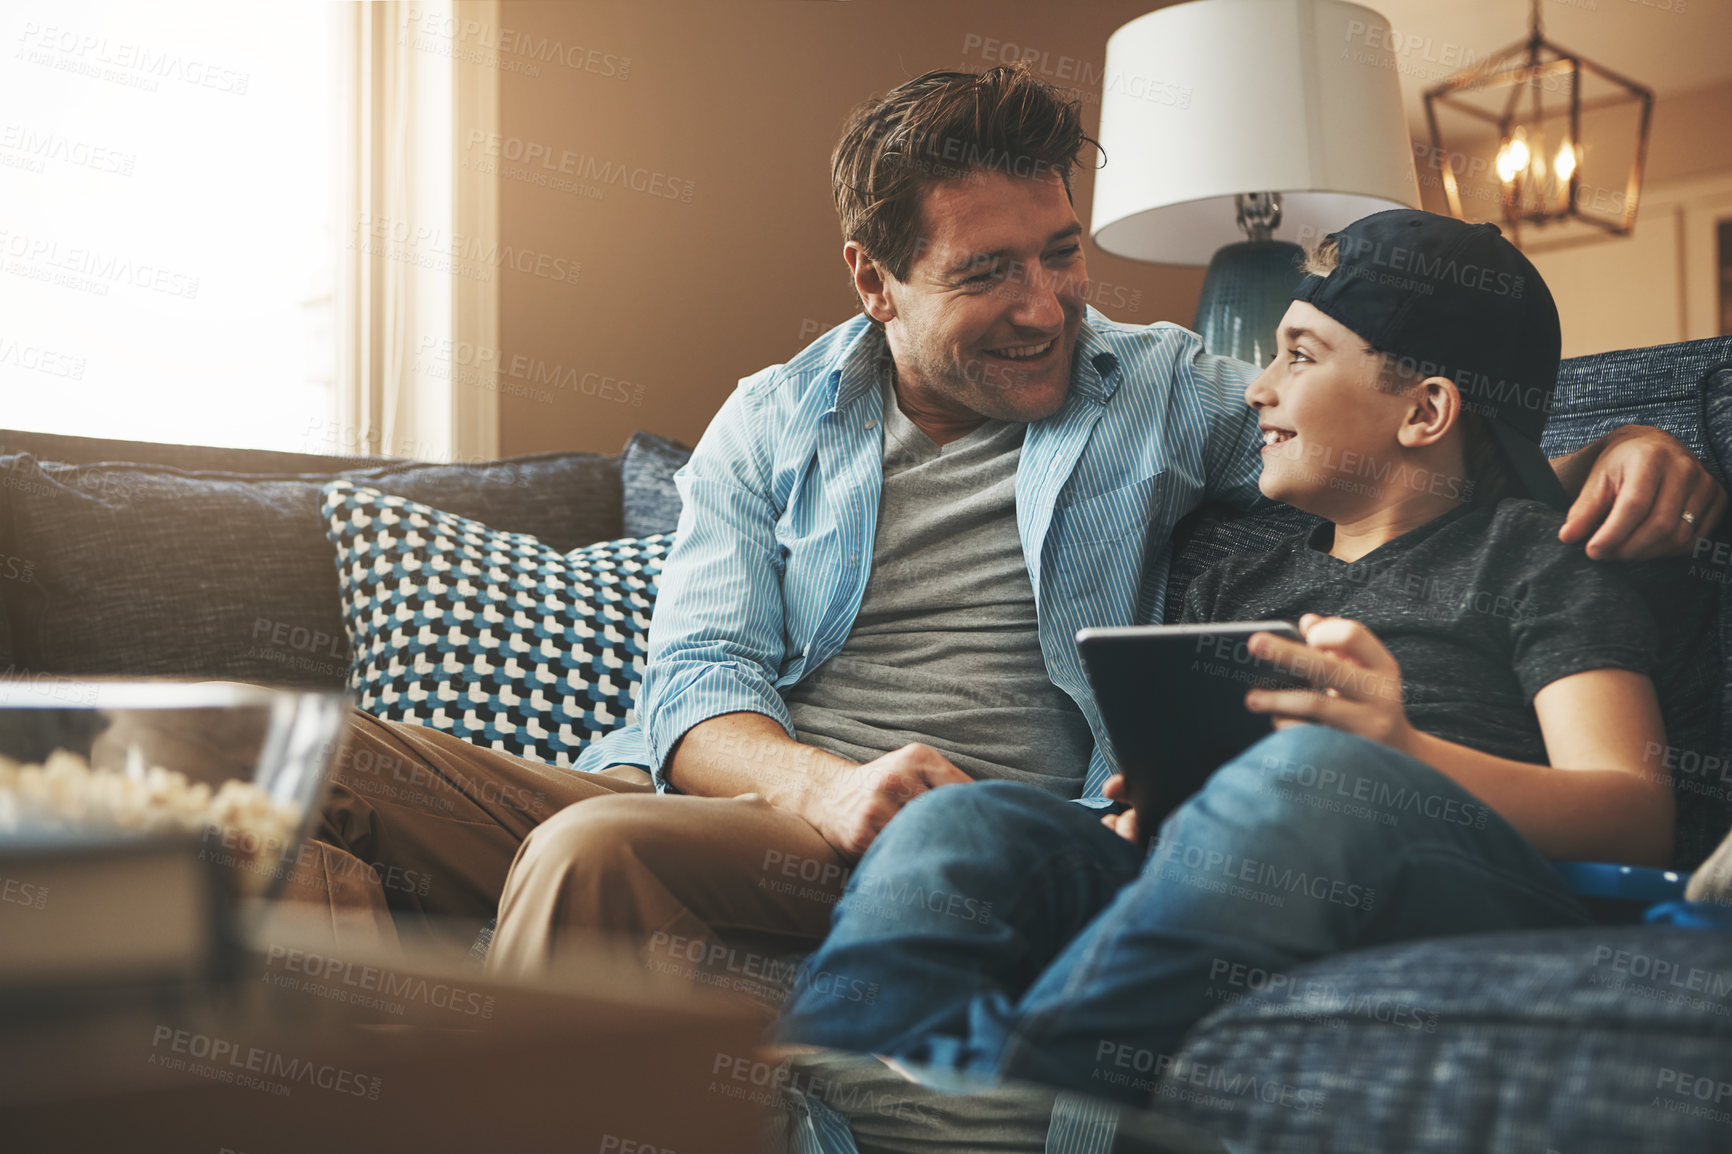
<point x="945" y="126"/>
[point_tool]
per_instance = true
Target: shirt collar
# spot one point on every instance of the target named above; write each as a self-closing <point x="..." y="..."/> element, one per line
<point x="1095" y="373"/>
<point x="856" y="368"/>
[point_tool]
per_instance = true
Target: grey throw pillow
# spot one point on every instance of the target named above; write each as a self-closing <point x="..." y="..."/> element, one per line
<point x="652" y="503"/>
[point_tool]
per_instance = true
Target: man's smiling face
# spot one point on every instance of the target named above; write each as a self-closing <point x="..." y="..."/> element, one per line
<point x="987" y="321"/>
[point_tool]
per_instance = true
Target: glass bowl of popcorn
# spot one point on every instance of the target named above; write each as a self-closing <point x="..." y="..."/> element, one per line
<point x="243" y="768"/>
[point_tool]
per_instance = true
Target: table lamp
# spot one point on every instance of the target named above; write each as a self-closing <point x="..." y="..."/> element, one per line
<point x="1232" y="129"/>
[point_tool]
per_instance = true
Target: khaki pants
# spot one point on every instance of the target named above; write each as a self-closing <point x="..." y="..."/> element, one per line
<point x="444" y="834"/>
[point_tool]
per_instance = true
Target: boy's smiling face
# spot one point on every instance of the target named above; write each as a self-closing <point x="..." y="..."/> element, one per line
<point x="1330" y="432"/>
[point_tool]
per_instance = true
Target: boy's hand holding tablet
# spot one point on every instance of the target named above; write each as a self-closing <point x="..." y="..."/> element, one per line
<point x="1359" y="680"/>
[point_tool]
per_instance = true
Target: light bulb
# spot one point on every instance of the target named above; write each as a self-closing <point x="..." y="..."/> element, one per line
<point x="1512" y="158"/>
<point x="1565" y="163"/>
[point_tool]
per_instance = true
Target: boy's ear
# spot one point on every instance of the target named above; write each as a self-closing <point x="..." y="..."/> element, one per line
<point x="870" y="282"/>
<point x="1436" y="409"/>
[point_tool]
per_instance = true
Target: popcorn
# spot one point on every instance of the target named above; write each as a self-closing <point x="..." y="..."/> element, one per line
<point x="64" y="790"/>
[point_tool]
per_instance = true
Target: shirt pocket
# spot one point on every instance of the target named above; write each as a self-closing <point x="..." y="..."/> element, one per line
<point x="1099" y="546"/>
<point x="1109" y="516"/>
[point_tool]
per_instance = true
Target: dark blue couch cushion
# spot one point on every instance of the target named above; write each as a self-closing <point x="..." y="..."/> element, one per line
<point x="1664" y="386"/>
<point x="646" y="473"/>
<point x="1611" y="1039"/>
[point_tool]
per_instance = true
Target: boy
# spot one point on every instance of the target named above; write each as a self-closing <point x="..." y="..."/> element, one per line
<point x="1482" y="703"/>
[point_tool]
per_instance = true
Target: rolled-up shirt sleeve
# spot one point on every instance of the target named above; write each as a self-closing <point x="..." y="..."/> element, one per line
<point x="717" y="639"/>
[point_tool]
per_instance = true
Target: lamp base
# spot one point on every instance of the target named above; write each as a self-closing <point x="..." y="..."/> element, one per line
<point x="1247" y="290"/>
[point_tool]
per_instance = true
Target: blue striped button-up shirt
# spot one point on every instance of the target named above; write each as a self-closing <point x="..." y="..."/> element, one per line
<point x="781" y="504"/>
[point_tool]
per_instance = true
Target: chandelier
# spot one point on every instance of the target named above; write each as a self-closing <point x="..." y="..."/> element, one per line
<point x="1545" y="138"/>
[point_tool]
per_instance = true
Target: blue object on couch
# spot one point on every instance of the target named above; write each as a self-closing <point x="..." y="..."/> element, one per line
<point x="1622" y="882"/>
<point x="1619" y="894"/>
<point x="1691" y="915"/>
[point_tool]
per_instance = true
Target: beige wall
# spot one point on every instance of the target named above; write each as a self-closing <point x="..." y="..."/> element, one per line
<point x="677" y="299"/>
<point x="1692" y="134"/>
<point x="743" y="100"/>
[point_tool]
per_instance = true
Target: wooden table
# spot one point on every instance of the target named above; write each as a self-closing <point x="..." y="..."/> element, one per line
<point x="300" y="1052"/>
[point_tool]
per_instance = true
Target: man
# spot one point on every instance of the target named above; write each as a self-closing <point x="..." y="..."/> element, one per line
<point x="1490" y="693"/>
<point x="886" y="547"/>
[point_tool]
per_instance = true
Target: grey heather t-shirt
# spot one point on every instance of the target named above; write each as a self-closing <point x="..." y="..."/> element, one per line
<point x="1483" y="608"/>
<point x="945" y="649"/>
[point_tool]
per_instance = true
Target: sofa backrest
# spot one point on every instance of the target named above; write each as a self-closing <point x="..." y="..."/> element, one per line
<point x="213" y="563"/>
<point x="73" y="450"/>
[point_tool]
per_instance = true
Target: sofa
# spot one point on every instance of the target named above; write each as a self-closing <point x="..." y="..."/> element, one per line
<point x="121" y="558"/>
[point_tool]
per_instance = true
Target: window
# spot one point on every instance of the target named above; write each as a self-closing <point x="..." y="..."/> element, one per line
<point x="168" y="245"/>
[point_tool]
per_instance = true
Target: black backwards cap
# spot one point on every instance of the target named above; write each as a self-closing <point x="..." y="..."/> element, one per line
<point x="1452" y="299"/>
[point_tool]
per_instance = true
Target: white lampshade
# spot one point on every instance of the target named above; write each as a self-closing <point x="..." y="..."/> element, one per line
<point x="1206" y="100"/>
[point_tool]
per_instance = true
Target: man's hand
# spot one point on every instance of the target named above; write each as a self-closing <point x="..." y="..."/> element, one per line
<point x="1356" y="680"/>
<point x="1639" y="483"/>
<point x="850" y="807"/>
<point x="735" y="754"/>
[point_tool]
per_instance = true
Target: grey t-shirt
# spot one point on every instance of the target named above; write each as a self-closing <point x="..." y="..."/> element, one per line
<point x="1482" y="607"/>
<point x="945" y="649"/>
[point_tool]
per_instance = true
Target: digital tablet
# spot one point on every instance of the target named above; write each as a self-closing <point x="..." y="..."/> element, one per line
<point x="1173" y="699"/>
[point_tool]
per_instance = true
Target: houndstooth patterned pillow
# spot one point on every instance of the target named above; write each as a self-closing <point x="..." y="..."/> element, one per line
<point x="490" y="636"/>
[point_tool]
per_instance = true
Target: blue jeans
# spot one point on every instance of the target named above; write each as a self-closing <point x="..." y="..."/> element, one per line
<point x="996" y="929"/>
